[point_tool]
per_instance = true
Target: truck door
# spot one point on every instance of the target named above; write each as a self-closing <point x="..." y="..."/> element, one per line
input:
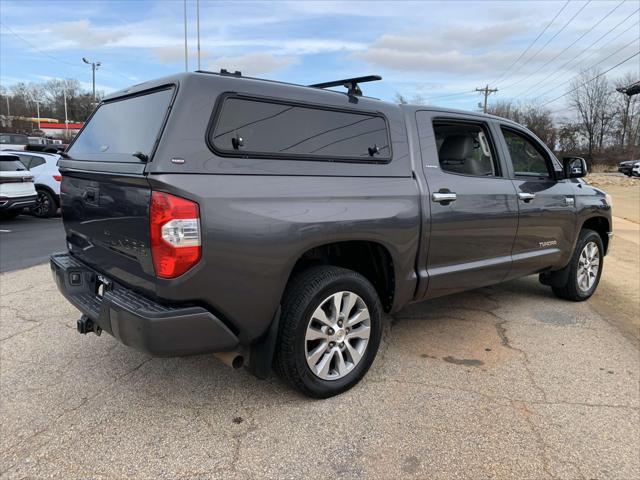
<point x="546" y="204"/>
<point x="474" y="211"/>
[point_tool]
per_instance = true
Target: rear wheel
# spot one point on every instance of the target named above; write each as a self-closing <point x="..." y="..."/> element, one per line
<point x="585" y="268"/>
<point x="45" y="206"/>
<point x="329" y="331"/>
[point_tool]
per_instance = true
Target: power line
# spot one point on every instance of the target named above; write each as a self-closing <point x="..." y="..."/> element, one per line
<point x="36" y="48"/>
<point x="531" y="44"/>
<point x="561" y="69"/>
<point x="572" y="44"/>
<point x="590" y="68"/>
<point x="552" y="37"/>
<point x="458" y="94"/>
<point x="591" y="80"/>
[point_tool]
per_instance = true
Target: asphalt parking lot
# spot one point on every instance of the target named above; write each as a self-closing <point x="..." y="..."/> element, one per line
<point x="501" y="382"/>
<point x="27" y="240"/>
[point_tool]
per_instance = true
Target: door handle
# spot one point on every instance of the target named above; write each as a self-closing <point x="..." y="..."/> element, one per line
<point x="526" y="196"/>
<point x="444" y="197"/>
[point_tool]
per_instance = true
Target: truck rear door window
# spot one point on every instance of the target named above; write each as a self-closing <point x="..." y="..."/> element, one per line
<point x="465" y="148"/>
<point x="251" y="127"/>
<point x="120" y="128"/>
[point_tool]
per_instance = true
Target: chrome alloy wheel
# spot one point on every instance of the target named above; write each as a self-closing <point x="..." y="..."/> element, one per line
<point x="588" y="266"/>
<point x="337" y="335"/>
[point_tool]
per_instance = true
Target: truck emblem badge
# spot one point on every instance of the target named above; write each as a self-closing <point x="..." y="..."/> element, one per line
<point x="548" y="243"/>
<point x="177" y="161"/>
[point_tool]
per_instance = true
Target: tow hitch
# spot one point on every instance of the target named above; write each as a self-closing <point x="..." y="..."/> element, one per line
<point x="86" y="325"/>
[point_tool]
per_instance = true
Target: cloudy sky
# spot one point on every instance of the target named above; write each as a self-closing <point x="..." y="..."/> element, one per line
<point x="441" y="51"/>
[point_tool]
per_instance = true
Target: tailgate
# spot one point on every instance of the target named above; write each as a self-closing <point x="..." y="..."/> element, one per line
<point x="106" y="218"/>
<point x="104" y="192"/>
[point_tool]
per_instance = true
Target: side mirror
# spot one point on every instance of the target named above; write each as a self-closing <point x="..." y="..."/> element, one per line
<point x="574" y="167"/>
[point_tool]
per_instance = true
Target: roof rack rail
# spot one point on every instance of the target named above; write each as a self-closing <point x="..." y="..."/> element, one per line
<point x="223" y="71"/>
<point x="351" y="84"/>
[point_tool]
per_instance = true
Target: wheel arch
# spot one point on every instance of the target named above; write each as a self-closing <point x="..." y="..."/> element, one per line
<point x="601" y="226"/>
<point x="371" y="259"/>
<point x="43" y="186"/>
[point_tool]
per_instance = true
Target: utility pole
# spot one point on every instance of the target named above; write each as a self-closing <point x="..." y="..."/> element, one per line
<point x="186" y="58"/>
<point x="38" y="108"/>
<point x="486" y="91"/>
<point x="94" y="67"/>
<point x="198" y="27"/>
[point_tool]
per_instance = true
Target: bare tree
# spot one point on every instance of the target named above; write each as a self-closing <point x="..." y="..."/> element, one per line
<point x="590" y="97"/>
<point x="628" y="116"/>
<point x="415" y="100"/>
<point x="533" y="116"/>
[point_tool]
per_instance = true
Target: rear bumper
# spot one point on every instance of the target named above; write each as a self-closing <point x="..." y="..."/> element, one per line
<point x="136" y="320"/>
<point x="12" y="203"/>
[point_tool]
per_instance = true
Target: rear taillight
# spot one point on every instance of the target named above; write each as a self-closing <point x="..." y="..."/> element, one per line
<point x="57" y="178"/>
<point x="175" y="234"/>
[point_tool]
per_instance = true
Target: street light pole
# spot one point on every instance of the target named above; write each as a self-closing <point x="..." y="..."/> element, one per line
<point x="94" y="67"/>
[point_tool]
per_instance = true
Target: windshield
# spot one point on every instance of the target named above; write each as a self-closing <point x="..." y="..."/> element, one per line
<point x="120" y="128"/>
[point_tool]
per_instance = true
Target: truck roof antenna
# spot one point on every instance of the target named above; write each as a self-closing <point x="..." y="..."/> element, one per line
<point x="351" y="84"/>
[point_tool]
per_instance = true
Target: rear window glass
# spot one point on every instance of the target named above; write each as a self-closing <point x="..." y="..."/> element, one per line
<point x="248" y="127"/>
<point x="121" y="128"/>
<point x="10" y="164"/>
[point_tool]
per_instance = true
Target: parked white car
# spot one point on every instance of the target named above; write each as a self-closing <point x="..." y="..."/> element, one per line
<point x="13" y="141"/>
<point x="635" y="171"/>
<point x="17" y="189"/>
<point x="44" y="167"/>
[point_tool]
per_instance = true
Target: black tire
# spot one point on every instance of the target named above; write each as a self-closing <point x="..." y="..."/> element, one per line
<point x="570" y="290"/>
<point x="305" y="292"/>
<point x="45" y="206"/>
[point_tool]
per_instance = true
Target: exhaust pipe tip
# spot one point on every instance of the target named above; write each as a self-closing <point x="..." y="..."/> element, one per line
<point x="233" y="359"/>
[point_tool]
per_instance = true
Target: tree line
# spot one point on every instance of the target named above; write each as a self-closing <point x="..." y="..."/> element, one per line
<point x="23" y="99"/>
<point x="604" y="130"/>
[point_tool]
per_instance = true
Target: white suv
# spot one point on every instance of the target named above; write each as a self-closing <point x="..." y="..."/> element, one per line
<point x="17" y="190"/>
<point x="44" y="167"/>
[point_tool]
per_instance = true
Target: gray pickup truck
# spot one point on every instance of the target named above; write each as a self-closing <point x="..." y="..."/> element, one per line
<point x="272" y="224"/>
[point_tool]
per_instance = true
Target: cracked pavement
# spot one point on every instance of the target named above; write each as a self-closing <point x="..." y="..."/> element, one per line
<point x="501" y="382"/>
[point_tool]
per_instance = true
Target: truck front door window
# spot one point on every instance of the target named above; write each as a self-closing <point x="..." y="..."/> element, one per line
<point x="526" y="158"/>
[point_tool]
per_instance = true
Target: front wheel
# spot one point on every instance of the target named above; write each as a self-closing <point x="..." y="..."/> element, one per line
<point x="329" y="331"/>
<point x="585" y="268"/>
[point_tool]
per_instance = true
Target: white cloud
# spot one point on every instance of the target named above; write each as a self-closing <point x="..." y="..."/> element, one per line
<point x="253" y="63"/>
<point x="175" y="53"/>
<point x="451" y="50"/>
<point x="81" y="33"/>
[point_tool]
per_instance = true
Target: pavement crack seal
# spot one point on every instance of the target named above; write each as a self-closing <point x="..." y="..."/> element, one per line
<point x="20" y="447"/>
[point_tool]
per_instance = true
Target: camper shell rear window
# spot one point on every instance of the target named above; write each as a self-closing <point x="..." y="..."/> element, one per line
<point x="122" y="127"/>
